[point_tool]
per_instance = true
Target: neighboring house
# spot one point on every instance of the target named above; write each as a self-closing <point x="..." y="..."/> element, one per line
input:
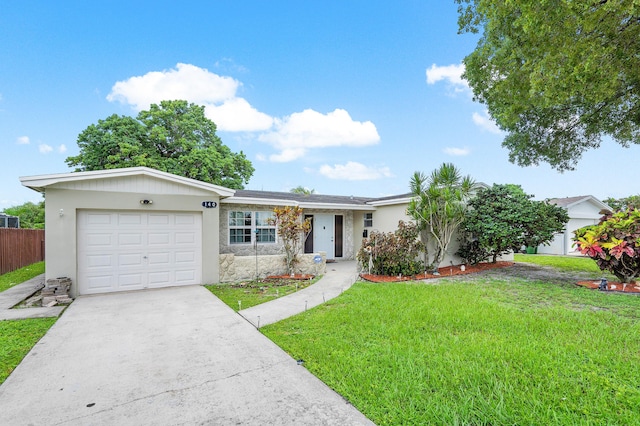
<point x="7" y="221"/>
<point x="583" y="210"/>
<point x="135" y="228"/>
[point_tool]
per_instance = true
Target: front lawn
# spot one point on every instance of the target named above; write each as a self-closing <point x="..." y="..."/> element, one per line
<point x="18" y="337"/>
<point x="479" y="351"/>
<point x="16" y="340"/>
<point x="564" y="263"/>
<point x="251" y="293"/>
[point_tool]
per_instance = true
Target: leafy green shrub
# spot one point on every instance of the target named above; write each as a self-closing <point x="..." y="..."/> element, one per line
<point x="614" y="243"/>
<point x="471" y="252"/>
<point x="393" y="253"/>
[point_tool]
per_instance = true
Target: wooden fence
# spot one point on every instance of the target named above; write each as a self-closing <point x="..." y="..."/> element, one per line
<point x="20" y="247"/>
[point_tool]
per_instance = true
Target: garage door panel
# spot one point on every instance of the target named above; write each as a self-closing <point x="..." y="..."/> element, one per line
<point x="133" y="250"/>
<point x="130" y="240"/>
<point x="185" y="257"/>
<point x="185" y="220"/>
<point x="130" y="259"/>
<point x="133" y="281"/>
<point x="159" y="258"/>
<point x="159" y="238"/>
<point x="185" y="276"/>
<point x="185" y="238"/>
<point x="98" y="241"/>
<point x="130" y="219"/>
<point x="160" y="279"/>
<point x="160" y="219"/>
<point x="94" y="219"/>
<point x="100" y="260"/>
<point x="99" y="283"/>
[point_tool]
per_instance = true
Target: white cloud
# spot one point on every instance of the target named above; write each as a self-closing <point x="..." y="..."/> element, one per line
<point x="186" y="81"/>
<point x="300" y="131"/>
<point x="196" y="85"/>
<point x="23" y="140"/>
<point x="62" y="149"/>
<point x="291" y="136"/>
<point x="44" y="148"/>
<point x="237" y="115"/>
<point x="452" y="74"/>
<point x="354" y="171"/>
<point x="457" y="151"/>
<point x="485" y="122"/>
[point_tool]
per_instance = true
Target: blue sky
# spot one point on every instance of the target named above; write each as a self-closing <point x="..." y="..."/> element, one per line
<point x="343" y="97"/>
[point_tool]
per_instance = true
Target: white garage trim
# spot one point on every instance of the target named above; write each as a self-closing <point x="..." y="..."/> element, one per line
<point x="133" y="250"/>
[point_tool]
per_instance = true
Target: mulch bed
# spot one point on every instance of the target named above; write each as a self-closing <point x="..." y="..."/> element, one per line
<point x="447" y="271"/>
<point x="612" y="286"/>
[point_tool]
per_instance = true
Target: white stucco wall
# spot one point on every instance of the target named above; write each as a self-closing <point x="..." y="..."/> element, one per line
<point x="60" y="231"/>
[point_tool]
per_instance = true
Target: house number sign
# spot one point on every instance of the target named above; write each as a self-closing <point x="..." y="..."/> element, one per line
<point x="209" y="204"/>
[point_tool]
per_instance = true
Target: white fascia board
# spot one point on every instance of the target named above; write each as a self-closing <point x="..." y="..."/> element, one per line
<point x="590" y="198"/>
<point x="330" y="206"/>
<point x="390" y="202"/>
<point x="40" y="182"/>
<point x="258" y="201"/>
<point x="283" y="202"/>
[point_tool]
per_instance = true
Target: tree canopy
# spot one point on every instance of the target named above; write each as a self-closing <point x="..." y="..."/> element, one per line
<point x="31" y="214"/>
<point x="439" y="206"/>
<point x="173" y="137"/>
<point x="503" y="218"/>
<point x="619" y="204"/>
<point x="558" y="75"/>
<point x="302" y="190"/>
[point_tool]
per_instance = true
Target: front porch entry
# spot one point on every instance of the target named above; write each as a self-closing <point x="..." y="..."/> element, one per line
<point x="326" y="235"/>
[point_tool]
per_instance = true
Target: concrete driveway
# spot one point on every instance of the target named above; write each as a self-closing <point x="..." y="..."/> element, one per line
<point x="174" y="356"/>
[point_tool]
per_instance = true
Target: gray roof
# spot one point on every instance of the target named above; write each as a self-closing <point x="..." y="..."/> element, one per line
<point x="302" y="198"/>
<point x="567" y="201"/>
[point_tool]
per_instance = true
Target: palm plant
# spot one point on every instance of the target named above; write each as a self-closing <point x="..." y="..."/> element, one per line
<point x="438" y="207"/>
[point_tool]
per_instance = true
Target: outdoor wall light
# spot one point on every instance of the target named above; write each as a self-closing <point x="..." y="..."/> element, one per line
<point x="146" y="201"/>
<point x="61" y="212"/>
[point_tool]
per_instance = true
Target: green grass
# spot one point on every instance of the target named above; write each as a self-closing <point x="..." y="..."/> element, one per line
<point x="16" y="340"/>
<point x="565" y="263"/>
<point x="18" y="337"/>
<point x="21" y="275"/>
<point x="252" y="293"/>
<point x="477" y="352"/>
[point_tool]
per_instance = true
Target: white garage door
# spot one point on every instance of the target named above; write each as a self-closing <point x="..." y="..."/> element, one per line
<point x="119" y="251"/>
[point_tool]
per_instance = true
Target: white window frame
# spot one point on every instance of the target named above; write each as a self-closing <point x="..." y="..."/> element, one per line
<point x="254" y="224"/>
<point x="368" y="218"/>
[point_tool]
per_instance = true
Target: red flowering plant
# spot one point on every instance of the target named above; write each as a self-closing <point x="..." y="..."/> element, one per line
<point x="614" y="243"/>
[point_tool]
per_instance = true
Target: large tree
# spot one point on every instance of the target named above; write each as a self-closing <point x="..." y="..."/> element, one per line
<point x="438" y="207"/>
<point x="503" y="218"/>
<point x="621" y="204"/>
<point x="31" y="214"/>
<point x="173" y="137"/>
<point x="556" y="75"/>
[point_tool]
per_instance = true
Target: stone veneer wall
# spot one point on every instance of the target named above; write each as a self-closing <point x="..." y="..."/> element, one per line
<point x="237" y="268"/>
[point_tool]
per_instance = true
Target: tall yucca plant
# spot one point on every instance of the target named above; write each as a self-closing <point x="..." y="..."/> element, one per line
<point x="439" y="205"/>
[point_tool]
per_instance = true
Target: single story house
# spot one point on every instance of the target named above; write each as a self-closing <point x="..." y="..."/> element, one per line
<point x="136" y="228"/>
<point x="583" y="211"/>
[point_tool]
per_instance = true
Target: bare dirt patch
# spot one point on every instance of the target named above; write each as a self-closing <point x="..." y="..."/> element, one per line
<point x="448" y="271"/>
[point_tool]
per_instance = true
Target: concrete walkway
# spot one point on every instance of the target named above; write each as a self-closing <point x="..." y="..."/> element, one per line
<point x="338" y="278"/>
<point x="172" y="356"/>
<point x="16" y="294"/>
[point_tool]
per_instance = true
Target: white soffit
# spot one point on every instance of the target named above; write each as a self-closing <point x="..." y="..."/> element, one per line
<point x="39" y="183"/>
